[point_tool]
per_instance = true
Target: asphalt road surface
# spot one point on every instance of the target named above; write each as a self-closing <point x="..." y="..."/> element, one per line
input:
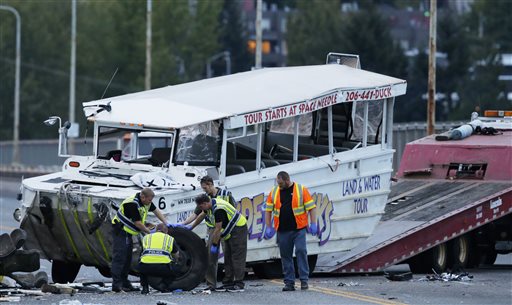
<point x="491" y="285"/>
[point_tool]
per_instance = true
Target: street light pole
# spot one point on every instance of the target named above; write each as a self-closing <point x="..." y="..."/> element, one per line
<point x="148" y="45"/>
<point x="16" y="136"/>
<point x="257" y="64"/>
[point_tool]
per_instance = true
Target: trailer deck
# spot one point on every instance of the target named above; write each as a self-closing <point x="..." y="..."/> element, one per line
<point x="419" y="215"/>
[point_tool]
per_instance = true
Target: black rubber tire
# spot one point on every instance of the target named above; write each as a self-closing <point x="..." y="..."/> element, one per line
<point x="105" y="271"/>
<point x="273" y="270"/>
<point x="64" y="272"/>
<point x="193" y="260"/>
<point x="459" y="252"/>
<point x="488" y="255"/>
<point x="268" y="270"/>
<point x="433" y="259"/>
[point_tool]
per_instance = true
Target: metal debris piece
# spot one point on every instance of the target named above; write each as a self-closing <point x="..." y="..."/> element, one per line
<point x="349" y="284"/>
<point x="407" y="276"/>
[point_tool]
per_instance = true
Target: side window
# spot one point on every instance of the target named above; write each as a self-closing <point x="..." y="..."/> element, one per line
<point x="374" y="120"/>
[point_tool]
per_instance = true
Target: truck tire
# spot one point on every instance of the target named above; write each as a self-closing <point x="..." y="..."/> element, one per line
<point x="105" y="271"/>
<point x="268" y="270"/>
<point x="459" y="252"/>
<point x="488" y="255"/>
<point x="433" y="259"/>
<point x="273" y="270"/>
<point x="193" y="260"/>
<point x="64" y="272"/>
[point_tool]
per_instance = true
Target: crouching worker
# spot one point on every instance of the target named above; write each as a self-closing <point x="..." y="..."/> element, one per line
<point x="158" y="257"/>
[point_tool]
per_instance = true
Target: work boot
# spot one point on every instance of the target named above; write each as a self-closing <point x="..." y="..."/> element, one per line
<point x="289" y="287"/>
<point x="129" y="287"/>
<point x="145" y="289"/>
<point x="304" y="286"/>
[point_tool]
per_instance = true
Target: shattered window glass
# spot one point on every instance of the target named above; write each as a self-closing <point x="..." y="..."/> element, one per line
<point x="374" y="119"/>
<point x="199" y="144"/>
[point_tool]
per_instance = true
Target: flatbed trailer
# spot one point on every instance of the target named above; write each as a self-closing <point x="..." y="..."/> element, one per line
<point x="450" y="209"/>
<point x="420" y="215"/>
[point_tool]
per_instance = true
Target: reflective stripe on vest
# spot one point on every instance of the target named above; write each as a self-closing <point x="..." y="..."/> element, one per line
<point x="235" y="219"/>
<point x="210" y="219"/>
<point x="299" y="211"/>
<point x="128" y="224"/>
<point x="157" y="248"/>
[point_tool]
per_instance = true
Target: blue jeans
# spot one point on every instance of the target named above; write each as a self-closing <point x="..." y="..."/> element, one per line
<point x="287" y="240"/>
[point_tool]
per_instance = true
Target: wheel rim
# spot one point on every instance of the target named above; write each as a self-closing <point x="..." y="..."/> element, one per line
<point x="463" y="249"/>
<point x="441" y="255"/>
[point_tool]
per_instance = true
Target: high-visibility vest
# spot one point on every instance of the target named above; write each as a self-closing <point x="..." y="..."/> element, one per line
<point x="301" y="203"/>
<point x="156" y="248"/>
<point x="210" y="218"/>
<point x="128" y="224"/>
<point x="235" y="219"/>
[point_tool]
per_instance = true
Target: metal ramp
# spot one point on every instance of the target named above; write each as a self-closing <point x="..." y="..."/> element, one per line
<point x="419" y="215"/>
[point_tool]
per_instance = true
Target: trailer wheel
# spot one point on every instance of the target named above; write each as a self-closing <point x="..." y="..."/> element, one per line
<point x="459" y="252"/>
<point x="192" y="263"/>
<point x="433" y="259"/>
<point x="64" y="272"/>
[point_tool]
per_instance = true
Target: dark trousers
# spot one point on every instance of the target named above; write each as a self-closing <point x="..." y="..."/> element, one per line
<point x="213" y="262"/>
<point x="121" y="257"/>
<point x="287" y="240"/>
<point x="235" y="253"/>
<point x="165" y="271"/>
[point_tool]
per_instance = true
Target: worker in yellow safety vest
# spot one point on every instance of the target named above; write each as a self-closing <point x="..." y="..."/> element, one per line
<point x="231" y="227"/>
<point x="158" y="258"/>
<point x="197" y="217"/>
<point x="127" y="224"/>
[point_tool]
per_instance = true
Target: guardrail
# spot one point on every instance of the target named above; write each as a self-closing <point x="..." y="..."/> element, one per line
<point x="40" y="156"/>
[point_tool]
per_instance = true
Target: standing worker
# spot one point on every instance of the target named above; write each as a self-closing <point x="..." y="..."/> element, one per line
<point x="158" y="257"/>
<point x="127" y="224"/>
<point x="231" y="227"/>
<point x="290" y="203"/>
<point x="197" y="217"/>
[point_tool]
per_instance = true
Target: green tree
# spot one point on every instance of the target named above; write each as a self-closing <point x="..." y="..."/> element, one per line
<point x="490" y="35"/>
<point x="233" y="36"/>
<point x="314" y="29"/>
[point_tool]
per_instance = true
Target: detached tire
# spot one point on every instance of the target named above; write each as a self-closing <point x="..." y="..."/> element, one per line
<point x="193" y="260"/>
<point x="64" y="272"/>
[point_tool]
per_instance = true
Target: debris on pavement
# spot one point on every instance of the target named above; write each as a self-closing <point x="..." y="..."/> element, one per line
<point x="350" y="284"/>
<point x="448" y="277"/>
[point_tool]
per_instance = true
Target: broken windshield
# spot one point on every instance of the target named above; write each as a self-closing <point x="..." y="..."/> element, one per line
<point x="199" y="144"/>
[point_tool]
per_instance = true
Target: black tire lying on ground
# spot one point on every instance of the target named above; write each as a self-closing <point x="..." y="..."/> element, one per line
<point x="64" y="272"/>
<point x="193" y="260"/>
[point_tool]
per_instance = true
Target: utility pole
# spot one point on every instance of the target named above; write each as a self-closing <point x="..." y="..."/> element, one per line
<point x="147" y="85"/>
<point x="72" y="71"/>
<point x="257" y="64"/>
<point x="16" y="127"/>
<point x="431" y="104"/>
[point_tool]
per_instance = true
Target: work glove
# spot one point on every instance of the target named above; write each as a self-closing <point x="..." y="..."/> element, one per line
<point x="214" y="249"/>
<point x="188" y="227"/>
<point x="172" y="225"/>
<point x="269" y="232"/>
<point x="313" y="229"/>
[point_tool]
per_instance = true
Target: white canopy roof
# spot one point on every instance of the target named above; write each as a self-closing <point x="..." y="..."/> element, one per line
<point x="237" y="94"/>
